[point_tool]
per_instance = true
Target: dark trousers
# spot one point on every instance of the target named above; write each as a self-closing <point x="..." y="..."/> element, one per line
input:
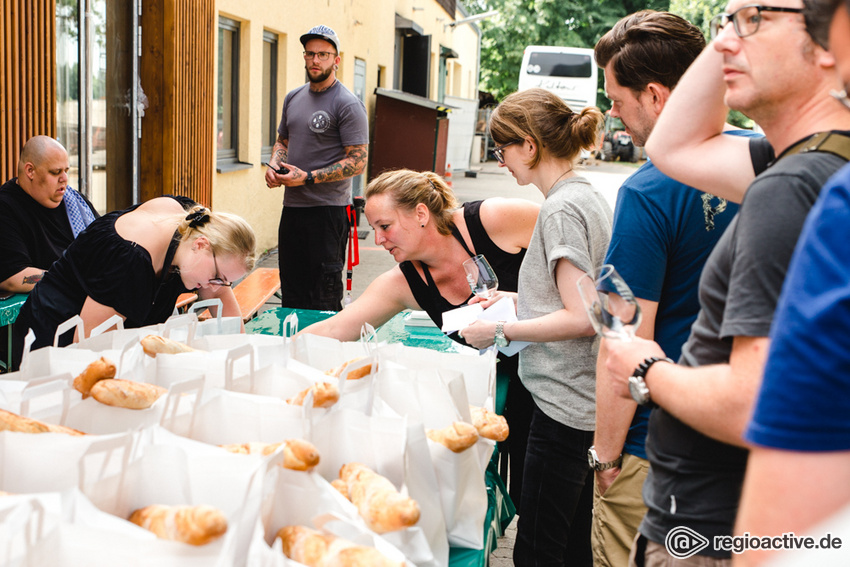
<point x="311" y="255"/>
<point x="519" y="407"/>
<point x="557" y="496"/>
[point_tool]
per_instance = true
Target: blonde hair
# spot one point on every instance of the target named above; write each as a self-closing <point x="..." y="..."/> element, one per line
<point x="229" y="234"/>
<point x="408" y="188"/>
<point x="548" y="120"/>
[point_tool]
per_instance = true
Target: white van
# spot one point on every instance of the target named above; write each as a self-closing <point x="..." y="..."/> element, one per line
<point x="569" y="72"/>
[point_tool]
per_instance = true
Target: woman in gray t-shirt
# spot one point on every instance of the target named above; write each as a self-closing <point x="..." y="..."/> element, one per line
<point x="539" y="139"/>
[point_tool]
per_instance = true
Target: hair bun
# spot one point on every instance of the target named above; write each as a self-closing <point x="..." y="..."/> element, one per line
<point x="198" y="218"/>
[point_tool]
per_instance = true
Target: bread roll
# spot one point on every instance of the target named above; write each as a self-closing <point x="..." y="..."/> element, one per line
<point x="325" y="395"/>
<point x="489" y="425"/>
<point x="196" y="525"/>
<point x="154" y="344"/>
<point x="298" y="455"/>
<point x="96" y="371"/>
<point x="126" y="393"/>
<point x="13" y="422"/>
<point x="338" y="371"/>
<point x="458" y="436"/>
<point x="340" y="486"/>
<point x="317" y="549"/>
<point x="381" y="506"/>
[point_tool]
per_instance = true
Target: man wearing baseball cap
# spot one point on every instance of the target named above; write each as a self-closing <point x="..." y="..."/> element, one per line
<point x="322" y="143"/>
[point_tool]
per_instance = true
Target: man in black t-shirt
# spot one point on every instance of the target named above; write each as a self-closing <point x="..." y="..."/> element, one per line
<point x="39" y="214"/>
<point x="762" y="63"/>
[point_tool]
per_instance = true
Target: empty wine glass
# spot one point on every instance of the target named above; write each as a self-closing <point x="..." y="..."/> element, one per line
<point x="481" y="277"/>
<point x="610" y="304"/>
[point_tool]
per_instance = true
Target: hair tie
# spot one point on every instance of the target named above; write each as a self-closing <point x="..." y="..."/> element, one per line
<point x="198" y="219"/>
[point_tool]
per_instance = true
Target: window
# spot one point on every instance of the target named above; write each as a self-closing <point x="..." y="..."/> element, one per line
<point x="270" y="111"/>
<point x="227" y="134"/>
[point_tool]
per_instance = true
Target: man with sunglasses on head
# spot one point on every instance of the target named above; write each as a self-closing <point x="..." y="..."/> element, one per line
<point x="763" y="63"/>
<point x="322" y="143"/>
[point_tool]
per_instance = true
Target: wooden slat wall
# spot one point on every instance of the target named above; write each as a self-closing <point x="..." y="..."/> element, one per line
<point x="177" y="146"/>
<point x="27" y="77"/>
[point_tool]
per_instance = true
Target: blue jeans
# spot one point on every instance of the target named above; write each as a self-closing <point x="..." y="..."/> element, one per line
<point x="557" y="496"/>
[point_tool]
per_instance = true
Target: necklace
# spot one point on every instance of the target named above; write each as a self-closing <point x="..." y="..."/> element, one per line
<point x="559" y="178"/>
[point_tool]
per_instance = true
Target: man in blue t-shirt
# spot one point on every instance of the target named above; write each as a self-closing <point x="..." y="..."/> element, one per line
<point x="663" y="233"/>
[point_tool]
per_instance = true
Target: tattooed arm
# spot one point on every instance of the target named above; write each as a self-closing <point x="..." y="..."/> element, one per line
<point x="23" y="281"/>
<point x="354" y="163"/>
<point x="280" y="153"/>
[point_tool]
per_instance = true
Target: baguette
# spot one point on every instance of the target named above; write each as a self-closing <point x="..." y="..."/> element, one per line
<point x="381" y="506"/>
<point x="298" y="455"/>
<point x="489" y="425"/>
<point x="13" y="422"/>
<point x="195" y="525"/>
<point x="154" y="344"/>
<point x="325" y="395"/>
<point x="126" y="393"/>
<point x="458" y="436"/>
<point x="356" y="374"/>
<point x="317" y="549"/>
<point x="98" y="370"/>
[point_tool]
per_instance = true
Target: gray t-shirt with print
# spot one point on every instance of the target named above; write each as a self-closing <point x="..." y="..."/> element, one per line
<point x="319" y="126"/>
<point x="575" y="224"/>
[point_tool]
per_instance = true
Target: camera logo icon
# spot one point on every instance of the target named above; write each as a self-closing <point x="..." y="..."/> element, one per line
<point x="683" y="542"/>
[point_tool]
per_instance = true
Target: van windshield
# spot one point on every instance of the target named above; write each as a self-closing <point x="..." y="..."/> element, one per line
<point x="559" y="64"/>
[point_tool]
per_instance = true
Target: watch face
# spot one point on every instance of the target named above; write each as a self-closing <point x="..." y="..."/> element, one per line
<point x="591" y="458"/>
<point x="638" y="390"/>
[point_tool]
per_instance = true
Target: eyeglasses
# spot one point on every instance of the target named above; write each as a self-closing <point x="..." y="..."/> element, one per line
<point x="841" y="96"/>
<point x="498" y="151"/>
<point x="216" y="280"/>
<point x="322" y="55"/>
<point x="746" y="19"/>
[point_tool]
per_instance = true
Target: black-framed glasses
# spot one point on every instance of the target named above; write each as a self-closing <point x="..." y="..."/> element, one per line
<point x="322" y="55"/>
<point x="498" y="151"/>
<point x="746" y="19"/>
<point x="217" y="280"/>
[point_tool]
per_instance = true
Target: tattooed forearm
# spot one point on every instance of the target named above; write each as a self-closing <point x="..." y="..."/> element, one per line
<point x="280" y="151"/>
<point x="353" y="164"/>
<point x="33" y="279"/>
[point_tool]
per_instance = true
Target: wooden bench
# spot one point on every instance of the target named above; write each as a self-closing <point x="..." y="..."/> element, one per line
<point x="184" y="300"/>
<point x="253" y="292"/>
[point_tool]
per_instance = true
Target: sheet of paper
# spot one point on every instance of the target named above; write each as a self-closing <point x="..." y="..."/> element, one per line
<point x="459" y="318"/>
<point x="502" y="310"/>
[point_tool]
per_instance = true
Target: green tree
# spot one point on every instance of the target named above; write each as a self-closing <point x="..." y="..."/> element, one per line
<point x="519" y="23"/>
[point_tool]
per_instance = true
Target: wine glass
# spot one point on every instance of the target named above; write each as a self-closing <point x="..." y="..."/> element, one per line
<point x="480" y="276"/>
<point x="610" y="303"/>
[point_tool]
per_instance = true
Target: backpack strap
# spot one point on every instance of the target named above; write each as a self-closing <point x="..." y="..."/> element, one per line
<point x="829" y="142"/>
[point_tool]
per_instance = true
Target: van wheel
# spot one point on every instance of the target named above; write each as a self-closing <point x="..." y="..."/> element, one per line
<point x="606" y="152"/>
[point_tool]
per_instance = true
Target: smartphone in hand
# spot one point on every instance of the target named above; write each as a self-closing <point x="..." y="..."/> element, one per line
<point x="281" y="171"/>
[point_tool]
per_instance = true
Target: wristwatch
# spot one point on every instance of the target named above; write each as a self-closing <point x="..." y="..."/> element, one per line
<point x="309" y="180"/>
<point x="637" y="383"/>
<point x="595" y="464"/>
<point x="500" y="339"/>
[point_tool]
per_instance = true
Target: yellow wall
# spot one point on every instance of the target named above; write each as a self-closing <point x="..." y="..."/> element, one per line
<point x="366" y="29"/>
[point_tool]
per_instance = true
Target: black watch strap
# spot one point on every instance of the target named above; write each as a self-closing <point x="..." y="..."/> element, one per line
<point x="310" y="180"/>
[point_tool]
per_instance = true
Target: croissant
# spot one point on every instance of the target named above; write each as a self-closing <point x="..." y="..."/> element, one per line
<point x="356" y="374"/>
<point x="316" y="549"/>
<point x="126" y="393"/>
<point x="489" y="425"/>
<point x="13" y="422"/>
<point x="154" y="344"/>
<point x="381" y="506"/>
<point x="196" y="525"/>
<point x="94" y="372"/>
<point x="458" y="436"/>
<point x="325" y="395"/>
<point x="298" y="455"/>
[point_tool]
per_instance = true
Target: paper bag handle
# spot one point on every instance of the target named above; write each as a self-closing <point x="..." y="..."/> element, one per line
<point x="369" y="338"/>
<point x="75" y="321"/>
<point x="29" y="339"/>
<point x="29" y="513"/>
<point x="187" y="319"/>
<point x="290" y="326"/>
<point x="44" y="387"/>
<point x="232" y="356"/>
<point x="116" y="320"/>
<point x="207" y="303"/>
<point x="176" y="391"/>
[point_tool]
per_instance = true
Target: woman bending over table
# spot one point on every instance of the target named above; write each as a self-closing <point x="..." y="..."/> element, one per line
<point x="417" y="219"/>
<point x="135" y="263"/>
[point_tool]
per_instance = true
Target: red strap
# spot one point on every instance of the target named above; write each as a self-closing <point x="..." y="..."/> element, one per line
<point x="353" y="245"/>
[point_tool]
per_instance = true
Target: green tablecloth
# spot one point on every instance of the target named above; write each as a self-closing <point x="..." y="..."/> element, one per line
<point x="500" y="509"/>
<point x="9" y="309"/>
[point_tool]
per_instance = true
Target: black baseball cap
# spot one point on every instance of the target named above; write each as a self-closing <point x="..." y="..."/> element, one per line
<point x="321" y="32"/>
